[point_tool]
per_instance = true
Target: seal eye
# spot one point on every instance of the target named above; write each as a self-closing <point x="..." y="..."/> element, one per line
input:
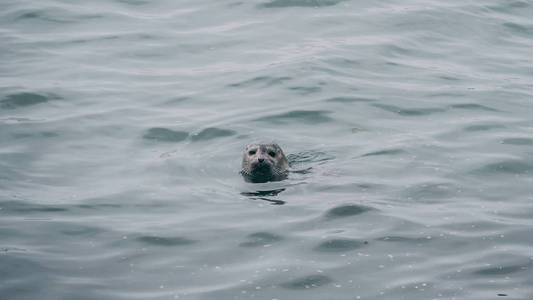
<point x="252" y="152"/>
<point x="272" y="153"/>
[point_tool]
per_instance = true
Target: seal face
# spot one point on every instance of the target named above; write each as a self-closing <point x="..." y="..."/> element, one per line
<point x="264" y="162"/>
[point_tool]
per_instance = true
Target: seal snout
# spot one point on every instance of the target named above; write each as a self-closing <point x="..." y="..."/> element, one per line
<point x="261" y="166"/>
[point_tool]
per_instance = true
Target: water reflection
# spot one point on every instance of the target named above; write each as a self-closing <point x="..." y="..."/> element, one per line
<point x="261" y="195"/>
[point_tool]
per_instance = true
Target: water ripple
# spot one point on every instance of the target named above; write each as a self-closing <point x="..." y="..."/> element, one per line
<point x="309" y="156"/>
<point x="264" y="81"/>
<point x="164" y="241"/>
<point x="483" y="127"/>
<point x="212" y="133"/>
<point x="299" y="116"/>
<point x="165" y="135"/>
<point x="25" y="99"/>
<point x="339" y="245"/>
<point x="346" y="211"/>
<point x="472" y="106"/>
<point x="506" y="167"/>
<point x="410" y="112"/>
<point x="27" y="207"/>
<point x="311" y="281"/>
<point x="518" y="141"/>
<point x="502" y="270"/>
<point x="385" y="152"/>
<point x="301" y="3"/>
<point x="349" y="99"/>
<point x="261" y="239"/>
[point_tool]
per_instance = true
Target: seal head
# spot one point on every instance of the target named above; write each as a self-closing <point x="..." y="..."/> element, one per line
<point x="264" y="162"/>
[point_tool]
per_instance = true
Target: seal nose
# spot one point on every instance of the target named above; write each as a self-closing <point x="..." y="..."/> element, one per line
<point x="260" y="160"/>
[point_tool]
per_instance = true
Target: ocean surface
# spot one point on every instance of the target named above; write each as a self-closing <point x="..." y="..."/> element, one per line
<point x="408" y="125"/>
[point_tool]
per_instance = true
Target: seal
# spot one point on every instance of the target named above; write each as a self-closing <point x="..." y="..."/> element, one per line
<point x="263" y="163"/>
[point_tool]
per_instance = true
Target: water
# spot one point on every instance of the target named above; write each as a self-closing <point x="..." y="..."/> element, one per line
<point x="408" y="125"/>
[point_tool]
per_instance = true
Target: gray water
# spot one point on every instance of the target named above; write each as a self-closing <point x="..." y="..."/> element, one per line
<point x="408" y="125"/>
